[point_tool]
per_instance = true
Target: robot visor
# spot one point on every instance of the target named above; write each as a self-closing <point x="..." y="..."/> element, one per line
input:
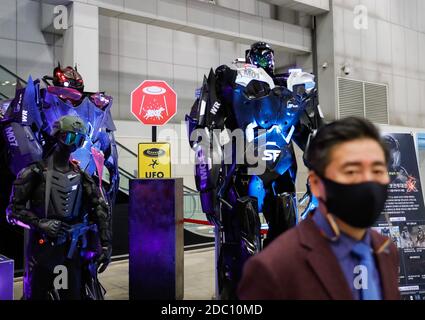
<point x="264" y="60"/>
<point x="70" y="138"/>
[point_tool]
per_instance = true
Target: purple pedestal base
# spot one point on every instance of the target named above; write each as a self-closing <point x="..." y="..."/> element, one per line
<point x="6" y="278"/>
<point x="156" y="239"/>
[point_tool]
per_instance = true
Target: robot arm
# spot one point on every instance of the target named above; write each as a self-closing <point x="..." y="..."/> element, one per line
<point x="98" y="209"/>
<point x="112" y="166"/>
<point x="109" y="149"/>
<point x="303" y="88"/>
<point x="17" y="212"/>
<point x="99" y="213"/>
<point x="310" y="121"/>
<point x="207" y="177"/>
<point x="205" y="123"/>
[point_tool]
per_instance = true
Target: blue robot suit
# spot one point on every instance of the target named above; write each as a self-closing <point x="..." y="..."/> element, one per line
<point x="259" y="173"/>
<point x="26" y="139"/>
<point x="26" y="125"/>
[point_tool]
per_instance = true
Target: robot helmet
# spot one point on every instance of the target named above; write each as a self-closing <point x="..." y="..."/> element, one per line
<point x="68" y="77"/>
<point x="70" y="131"/>
<point x="261" y="55"/>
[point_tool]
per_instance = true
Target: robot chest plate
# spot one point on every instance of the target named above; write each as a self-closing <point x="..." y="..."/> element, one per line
<point x="276" y="108"/>
<point x="65" y="194"/>
<point x="251" y="73"/>
<point x="270" y="149"/>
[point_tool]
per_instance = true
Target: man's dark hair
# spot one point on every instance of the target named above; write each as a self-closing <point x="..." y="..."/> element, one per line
<point x="340" y="131"/>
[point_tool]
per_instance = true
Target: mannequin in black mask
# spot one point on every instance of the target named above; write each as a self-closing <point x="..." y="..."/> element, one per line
<point x="334" y="254"/>
<point x="60" y="205"/>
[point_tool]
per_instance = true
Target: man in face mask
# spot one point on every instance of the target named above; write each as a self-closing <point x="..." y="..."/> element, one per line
<point x="334" y="254"/>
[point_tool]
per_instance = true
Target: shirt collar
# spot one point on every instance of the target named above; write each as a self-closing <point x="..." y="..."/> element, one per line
<point x="344" y="242"/>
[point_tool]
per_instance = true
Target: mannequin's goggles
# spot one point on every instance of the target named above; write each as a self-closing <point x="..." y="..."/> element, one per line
<point x="70" y="138"/>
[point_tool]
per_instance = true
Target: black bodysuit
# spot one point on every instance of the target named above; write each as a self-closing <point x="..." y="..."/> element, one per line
<point x="73" y="195"/>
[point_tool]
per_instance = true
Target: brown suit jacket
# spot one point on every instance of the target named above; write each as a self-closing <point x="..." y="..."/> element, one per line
<point x="300" y="265"/>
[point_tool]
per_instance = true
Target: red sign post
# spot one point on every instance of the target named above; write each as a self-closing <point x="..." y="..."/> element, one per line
<point x="153" y="102"/>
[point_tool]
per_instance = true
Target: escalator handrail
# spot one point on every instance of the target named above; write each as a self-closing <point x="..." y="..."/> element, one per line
<point x="12" y="73"/>
<point x="126" y="173"/>
<point x="190" y="189"/>
<point x="126" y="149"/>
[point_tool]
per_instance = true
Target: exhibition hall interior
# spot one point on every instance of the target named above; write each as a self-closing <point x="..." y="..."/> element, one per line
<point x="185" y="149"/>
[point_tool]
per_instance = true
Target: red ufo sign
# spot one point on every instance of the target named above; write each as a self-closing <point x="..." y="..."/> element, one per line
<point x="153" y="102"/>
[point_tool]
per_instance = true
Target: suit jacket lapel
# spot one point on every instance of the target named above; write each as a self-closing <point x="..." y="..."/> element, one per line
<point x="323" y="262"/>
<point x="383" y="259"/>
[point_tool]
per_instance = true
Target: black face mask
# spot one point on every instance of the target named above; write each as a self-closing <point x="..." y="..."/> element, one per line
<point x="358" y="205"/>
<point x="68" y="148"/>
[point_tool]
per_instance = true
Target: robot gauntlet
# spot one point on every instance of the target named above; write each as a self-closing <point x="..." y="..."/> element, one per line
<point x="98" y="208"/>
<point x="207" y="172"/>
<point x="105" y="233"/>
<point x="17" y="212"/>
<point x="206" y="118"/>
<point x="103" y="222"/>
<point x="99" y="213"/>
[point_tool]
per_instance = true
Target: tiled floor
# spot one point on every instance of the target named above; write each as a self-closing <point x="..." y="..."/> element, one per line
<point x="199" y="278"/>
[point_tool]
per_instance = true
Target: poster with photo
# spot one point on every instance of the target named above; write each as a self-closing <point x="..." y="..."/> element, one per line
<point x="403" y="219"/>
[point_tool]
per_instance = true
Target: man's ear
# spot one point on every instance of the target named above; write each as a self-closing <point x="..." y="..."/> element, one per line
<point x="316" y="185"/>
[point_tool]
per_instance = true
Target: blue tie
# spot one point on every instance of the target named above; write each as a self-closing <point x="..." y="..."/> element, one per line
<point x="364" y="253"/>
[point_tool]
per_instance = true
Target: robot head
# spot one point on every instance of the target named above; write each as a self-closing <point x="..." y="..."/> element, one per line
<point x="394" y="149"/>
<point x="70" y="132"/>
<point x="68" y="78"/>
<point x="261" y="55"/>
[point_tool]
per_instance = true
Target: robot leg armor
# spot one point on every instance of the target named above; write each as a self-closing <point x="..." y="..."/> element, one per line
<point x="281" y="214"/>
<point x="92" y="288"/>
<point x="247" y="211"/>
<point x="241" y="241"/>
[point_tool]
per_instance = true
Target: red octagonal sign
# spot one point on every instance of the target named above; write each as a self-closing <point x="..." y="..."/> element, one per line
<point x="153" y="102"/>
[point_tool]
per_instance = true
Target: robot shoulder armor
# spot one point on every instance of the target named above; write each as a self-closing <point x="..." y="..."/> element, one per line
<point x="225" y="74"/>
<point x="86" y="177"/>
<point x="221" y="69"/>
<point x="30" y="171"/>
